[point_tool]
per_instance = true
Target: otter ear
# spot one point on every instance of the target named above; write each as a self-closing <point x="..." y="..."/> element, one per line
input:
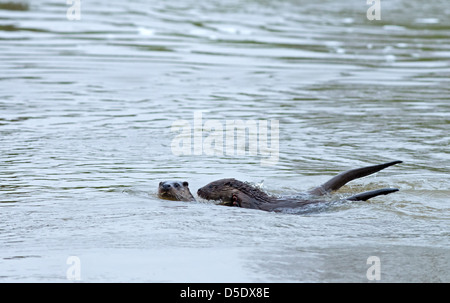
<point x="160" y="183"/>
<point x="185" y="183"/>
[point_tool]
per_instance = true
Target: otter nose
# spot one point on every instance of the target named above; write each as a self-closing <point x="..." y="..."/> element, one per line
<point x="166" y="186"/>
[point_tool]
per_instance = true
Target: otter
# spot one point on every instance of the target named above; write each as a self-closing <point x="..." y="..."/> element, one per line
<point x="232" y="192"/>
<point x="175" y="191"/>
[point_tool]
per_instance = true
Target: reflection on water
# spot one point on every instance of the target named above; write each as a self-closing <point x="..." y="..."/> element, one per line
<point x="85" y="130"/>
<point x="14" y="6"/>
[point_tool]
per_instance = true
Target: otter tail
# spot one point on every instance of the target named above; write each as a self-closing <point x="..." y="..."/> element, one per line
<point x="347" y="176"/>
<point x="370" y="194"/>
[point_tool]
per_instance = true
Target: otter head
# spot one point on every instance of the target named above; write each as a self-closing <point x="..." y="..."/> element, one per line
<point x="232" y="192"/>
<point x="174" y="190"/>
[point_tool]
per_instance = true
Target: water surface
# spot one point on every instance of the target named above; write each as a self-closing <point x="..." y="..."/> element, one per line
<point x="85" y="130"/>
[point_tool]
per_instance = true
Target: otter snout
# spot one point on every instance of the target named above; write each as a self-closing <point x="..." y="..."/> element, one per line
<point x="205" y="193"/>
<point x="166" y="186"/>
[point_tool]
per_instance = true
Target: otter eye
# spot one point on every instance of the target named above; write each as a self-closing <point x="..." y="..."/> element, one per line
<point x="177" y="185"/>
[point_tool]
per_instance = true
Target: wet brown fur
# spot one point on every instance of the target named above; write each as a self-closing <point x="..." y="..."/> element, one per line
<point x="175" y="191"/>
<point x="232" y="192"/>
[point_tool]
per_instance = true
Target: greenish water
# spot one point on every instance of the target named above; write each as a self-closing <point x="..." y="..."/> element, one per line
<point x="86" y="109"/>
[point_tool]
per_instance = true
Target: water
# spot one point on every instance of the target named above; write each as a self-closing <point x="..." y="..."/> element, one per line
<point x="85" y="128"/>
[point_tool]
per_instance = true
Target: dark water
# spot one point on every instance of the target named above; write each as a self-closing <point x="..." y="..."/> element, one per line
<point x="86" y="109"/>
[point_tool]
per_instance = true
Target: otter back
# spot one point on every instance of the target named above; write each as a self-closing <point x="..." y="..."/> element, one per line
<point x="233" y="192"/>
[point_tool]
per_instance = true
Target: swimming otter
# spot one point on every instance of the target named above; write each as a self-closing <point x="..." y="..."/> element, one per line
<point x="174" y="190"/>
<point x="233" y="192"/>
